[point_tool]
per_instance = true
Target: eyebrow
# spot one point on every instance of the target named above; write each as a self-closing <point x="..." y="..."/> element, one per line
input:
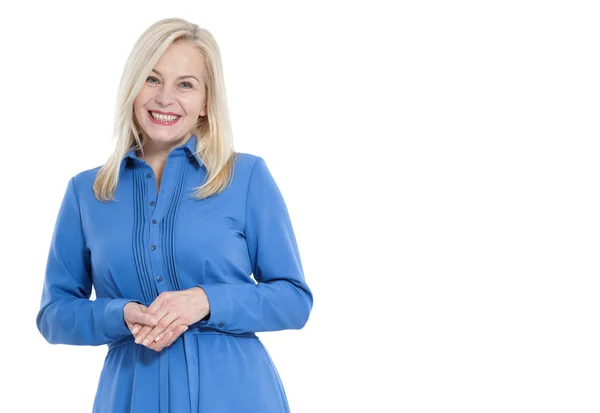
<point x="180" y="77"/>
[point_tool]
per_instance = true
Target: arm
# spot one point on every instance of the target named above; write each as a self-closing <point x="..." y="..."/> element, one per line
<point x="281" y="299"/>
<point x="67" y="315"/>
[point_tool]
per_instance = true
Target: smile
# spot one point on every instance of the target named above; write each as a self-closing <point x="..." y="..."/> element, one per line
<point x="159" y="119"/>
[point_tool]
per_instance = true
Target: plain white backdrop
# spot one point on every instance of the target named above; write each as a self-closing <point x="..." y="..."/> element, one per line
<point x="440" y="162"/>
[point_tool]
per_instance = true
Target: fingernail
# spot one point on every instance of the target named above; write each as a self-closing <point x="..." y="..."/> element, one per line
<point x="156" y="339"/>
<point x="135" y="330"/>
<point x="146" y="341"/>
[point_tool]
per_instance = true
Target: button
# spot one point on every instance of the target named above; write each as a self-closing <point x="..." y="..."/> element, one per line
<point x="220" y="325"/>
<point x="152" y="247"/>
<point x="148" y="175"/>
<point x="154" y="221"/>
<point x="152" y="203"/>
<point x="159" y="278"/>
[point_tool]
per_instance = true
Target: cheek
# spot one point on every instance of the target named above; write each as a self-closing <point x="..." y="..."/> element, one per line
<point x="138" y="111"/>
<point x="137" y="107"/>
<point x="194" y="106"/>
<point x="143" y="96"/>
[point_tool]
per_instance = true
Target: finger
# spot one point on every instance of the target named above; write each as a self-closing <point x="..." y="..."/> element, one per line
<point x="161" y="327"/>
<point x="135" y="329"/>
<point x="172" y="327"/>
<point x="159" y="346"/>
<point x="156" y="330"/>
<point x="143" y="317"/>
<point x="141" y="335"/>
<point x="177" y="332"/>
<point x="170" y="337"/>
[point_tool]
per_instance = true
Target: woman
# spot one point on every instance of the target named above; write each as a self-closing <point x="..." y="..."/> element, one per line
<point x="188" y="245"/>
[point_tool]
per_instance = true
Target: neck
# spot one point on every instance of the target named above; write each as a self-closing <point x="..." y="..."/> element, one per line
<point x="158" y="153"/>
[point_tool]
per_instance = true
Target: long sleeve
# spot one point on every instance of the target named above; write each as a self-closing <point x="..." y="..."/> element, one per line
<point x="281" y="298"/>
<point x="67" y="315"/>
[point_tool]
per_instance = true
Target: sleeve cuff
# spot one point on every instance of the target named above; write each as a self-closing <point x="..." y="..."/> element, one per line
<point x="220" y="313"/>
<point x="115" y="321"/>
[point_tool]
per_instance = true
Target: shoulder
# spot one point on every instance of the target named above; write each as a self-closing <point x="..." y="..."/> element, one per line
<point x="246" y="163"/>
<point x="87" y="176"/>
<point x="258" y="178"/>
<point x="245" y="159"/>
<point x="83" y="181"/>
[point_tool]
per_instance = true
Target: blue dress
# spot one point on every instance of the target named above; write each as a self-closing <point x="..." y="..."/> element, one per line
<point x="238" y="245"/>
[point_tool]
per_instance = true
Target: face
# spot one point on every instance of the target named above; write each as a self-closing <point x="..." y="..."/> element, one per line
<point x="173" y="97"/>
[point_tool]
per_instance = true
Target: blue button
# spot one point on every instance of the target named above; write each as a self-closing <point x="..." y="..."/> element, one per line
<point x="159" y="278"/>
<point x="221" y="325"/>
<point x="152" y="203"/>
<point x="152" y="247"/>
<point x="148" y="175"/>
<point x="154" y="221"/>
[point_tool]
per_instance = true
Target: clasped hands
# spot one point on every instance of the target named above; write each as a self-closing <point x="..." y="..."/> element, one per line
<point x="160" y="324"/>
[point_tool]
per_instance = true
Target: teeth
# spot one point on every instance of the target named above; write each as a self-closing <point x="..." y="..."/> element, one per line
<point x="164" y="118"/>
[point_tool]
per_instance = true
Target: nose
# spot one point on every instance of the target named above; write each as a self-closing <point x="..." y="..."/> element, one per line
<point x="164" y="96"/>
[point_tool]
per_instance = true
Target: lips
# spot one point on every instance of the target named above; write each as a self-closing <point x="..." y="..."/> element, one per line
<point x="163" y="123"/>
<point x="164" y="113"/>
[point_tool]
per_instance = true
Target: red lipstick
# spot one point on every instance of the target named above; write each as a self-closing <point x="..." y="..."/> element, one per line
<point x="160" y="122"/>
<point x="165" y="113"/>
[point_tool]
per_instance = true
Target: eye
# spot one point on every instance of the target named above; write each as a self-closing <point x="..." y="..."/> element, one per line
<point x="187" y="83"/>
<point x="151" y="78"/>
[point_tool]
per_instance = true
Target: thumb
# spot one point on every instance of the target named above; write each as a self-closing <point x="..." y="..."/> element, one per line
<point x="138" y="315"/>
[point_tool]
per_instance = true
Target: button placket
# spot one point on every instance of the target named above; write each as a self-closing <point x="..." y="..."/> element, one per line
<point x="157" y="210"/>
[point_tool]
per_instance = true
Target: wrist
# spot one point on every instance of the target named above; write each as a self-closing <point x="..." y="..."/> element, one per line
<point x="204" y="303"/>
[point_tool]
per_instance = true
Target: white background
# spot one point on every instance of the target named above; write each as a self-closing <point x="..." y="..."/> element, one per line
<point x="439" y="160"/>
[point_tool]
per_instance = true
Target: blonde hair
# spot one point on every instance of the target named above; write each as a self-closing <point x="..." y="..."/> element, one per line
<point x="214" y="138"/>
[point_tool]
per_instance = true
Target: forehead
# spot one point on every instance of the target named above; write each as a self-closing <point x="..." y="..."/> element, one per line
<point x="181" y="58"/>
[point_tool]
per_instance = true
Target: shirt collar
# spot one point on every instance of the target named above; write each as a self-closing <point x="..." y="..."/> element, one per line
<point x="188" y="149"/>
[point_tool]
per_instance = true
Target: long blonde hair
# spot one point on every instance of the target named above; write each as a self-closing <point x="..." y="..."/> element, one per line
<point x="213" y="131"/>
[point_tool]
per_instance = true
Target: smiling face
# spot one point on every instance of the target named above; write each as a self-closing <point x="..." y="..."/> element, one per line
<point x="173" y="97"/>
